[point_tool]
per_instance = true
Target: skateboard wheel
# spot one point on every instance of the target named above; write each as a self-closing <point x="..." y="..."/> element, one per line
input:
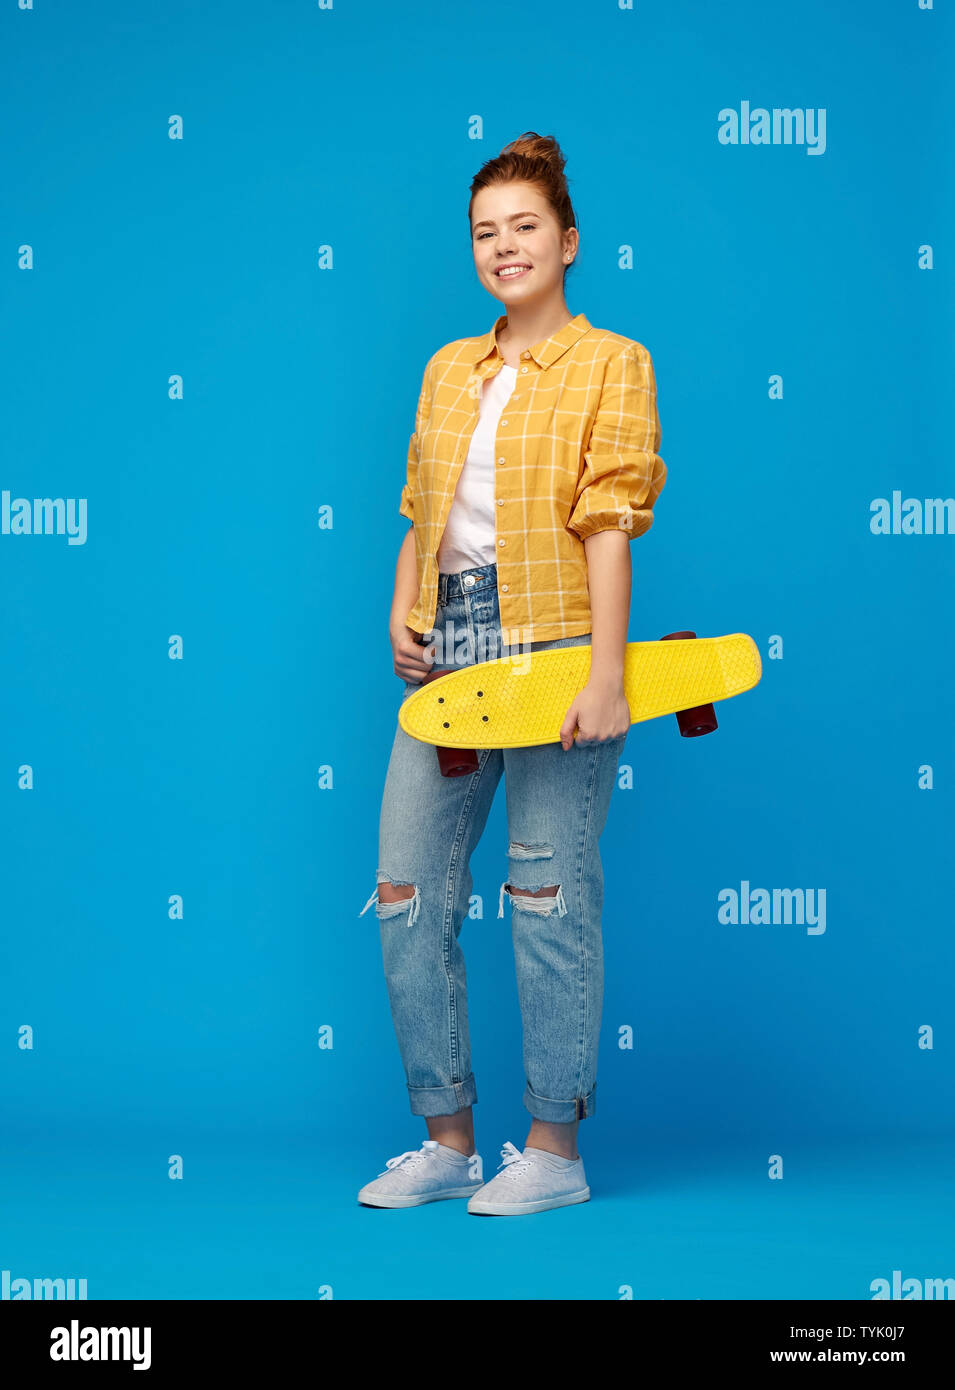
<point x="702" y="718"/>
<point x="457" y="762"/>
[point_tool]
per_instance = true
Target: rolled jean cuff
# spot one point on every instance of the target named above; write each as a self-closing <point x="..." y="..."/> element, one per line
<point x="560" y="1112"/>
<point x="443" y="1100"/>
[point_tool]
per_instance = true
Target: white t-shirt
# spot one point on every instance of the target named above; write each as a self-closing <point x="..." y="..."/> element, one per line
<point x="468" y="537"/>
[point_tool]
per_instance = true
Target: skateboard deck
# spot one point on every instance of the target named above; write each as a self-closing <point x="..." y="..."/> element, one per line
<point x="520" y="700"/>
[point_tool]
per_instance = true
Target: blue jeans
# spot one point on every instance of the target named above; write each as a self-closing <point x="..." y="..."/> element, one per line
<point x="557" y="803"/>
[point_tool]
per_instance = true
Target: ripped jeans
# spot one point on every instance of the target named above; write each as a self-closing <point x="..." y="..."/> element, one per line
<point x="557" y="804"/>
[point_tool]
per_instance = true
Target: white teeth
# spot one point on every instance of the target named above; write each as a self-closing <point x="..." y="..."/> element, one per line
<point x="511" y="270"/>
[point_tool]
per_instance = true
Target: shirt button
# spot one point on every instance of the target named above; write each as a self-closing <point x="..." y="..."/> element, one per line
<point x="500" y="501"/>
<point x="500" y="542"/>
<point x="500" y="460"/>
<point x="525" y="354"/>
<point x="503" y="422"/>
<point x="523" y="369"/>
<point x="503" y="588"/>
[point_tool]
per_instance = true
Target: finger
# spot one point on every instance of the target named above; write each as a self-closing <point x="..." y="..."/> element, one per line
<point x="416" y="668"/>
<point x="415" y="656"/>
<point x="412" y="666"/>
<point x="411" y="673"/>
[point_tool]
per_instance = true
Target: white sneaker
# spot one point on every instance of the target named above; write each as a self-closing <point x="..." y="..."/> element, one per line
<point x="535" y="1180"/>
<point x="429" y="1174"/>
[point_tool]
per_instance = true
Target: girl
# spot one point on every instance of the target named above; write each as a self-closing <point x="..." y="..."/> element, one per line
<point x="532" y="466"/>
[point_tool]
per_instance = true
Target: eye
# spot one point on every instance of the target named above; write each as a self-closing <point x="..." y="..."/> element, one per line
<point x="525" y="226"/>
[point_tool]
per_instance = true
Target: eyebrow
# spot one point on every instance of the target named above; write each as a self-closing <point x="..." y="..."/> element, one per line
<point x="512" y="218"/>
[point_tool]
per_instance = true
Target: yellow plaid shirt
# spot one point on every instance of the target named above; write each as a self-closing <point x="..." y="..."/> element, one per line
<point x="576" y="450"/>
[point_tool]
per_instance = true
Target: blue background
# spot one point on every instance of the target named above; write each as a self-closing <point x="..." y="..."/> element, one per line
<point x="352" y="128"/>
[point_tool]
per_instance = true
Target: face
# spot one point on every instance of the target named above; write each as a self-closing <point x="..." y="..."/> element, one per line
<point x="513" y="225"/>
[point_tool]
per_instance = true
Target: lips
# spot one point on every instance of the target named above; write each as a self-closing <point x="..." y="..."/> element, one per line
<point x="515" y="270"/>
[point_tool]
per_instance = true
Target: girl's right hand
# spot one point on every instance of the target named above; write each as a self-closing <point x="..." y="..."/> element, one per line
<point x="409" y="654"/>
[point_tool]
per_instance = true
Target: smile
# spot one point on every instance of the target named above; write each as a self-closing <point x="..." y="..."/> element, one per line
<point x="508" y="272"/>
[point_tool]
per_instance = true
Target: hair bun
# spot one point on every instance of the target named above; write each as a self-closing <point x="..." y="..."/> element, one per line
<point x="530" y="145"/>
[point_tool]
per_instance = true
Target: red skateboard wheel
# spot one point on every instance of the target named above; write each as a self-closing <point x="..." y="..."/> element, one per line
<point x="457" y="762"/>
<point x="702" y="718"/>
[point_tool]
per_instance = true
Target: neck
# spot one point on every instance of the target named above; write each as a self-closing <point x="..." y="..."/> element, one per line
<point x="528" y="324"/>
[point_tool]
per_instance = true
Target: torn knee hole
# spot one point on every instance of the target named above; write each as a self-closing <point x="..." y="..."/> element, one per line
<point x="544" y="900"/>
<point x="395" y="892"/>
<point x="393" y="899"/>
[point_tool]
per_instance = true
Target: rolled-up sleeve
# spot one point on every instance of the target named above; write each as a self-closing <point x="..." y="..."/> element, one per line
<point x="622" y="474"/>
<point x="422" y="415"/>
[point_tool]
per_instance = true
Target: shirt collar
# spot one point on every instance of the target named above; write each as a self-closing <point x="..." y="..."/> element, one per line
<point x="546" y="352"/>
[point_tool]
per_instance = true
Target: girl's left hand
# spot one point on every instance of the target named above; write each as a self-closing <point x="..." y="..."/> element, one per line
<point x="599" y="712"/>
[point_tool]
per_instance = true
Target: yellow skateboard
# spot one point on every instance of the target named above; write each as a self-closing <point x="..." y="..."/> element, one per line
<point x="520" y="700"/>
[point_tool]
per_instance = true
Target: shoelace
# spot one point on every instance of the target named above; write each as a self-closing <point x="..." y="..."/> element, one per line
<point x="514" y="1160"/>
<point x="410" y="1156"/>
